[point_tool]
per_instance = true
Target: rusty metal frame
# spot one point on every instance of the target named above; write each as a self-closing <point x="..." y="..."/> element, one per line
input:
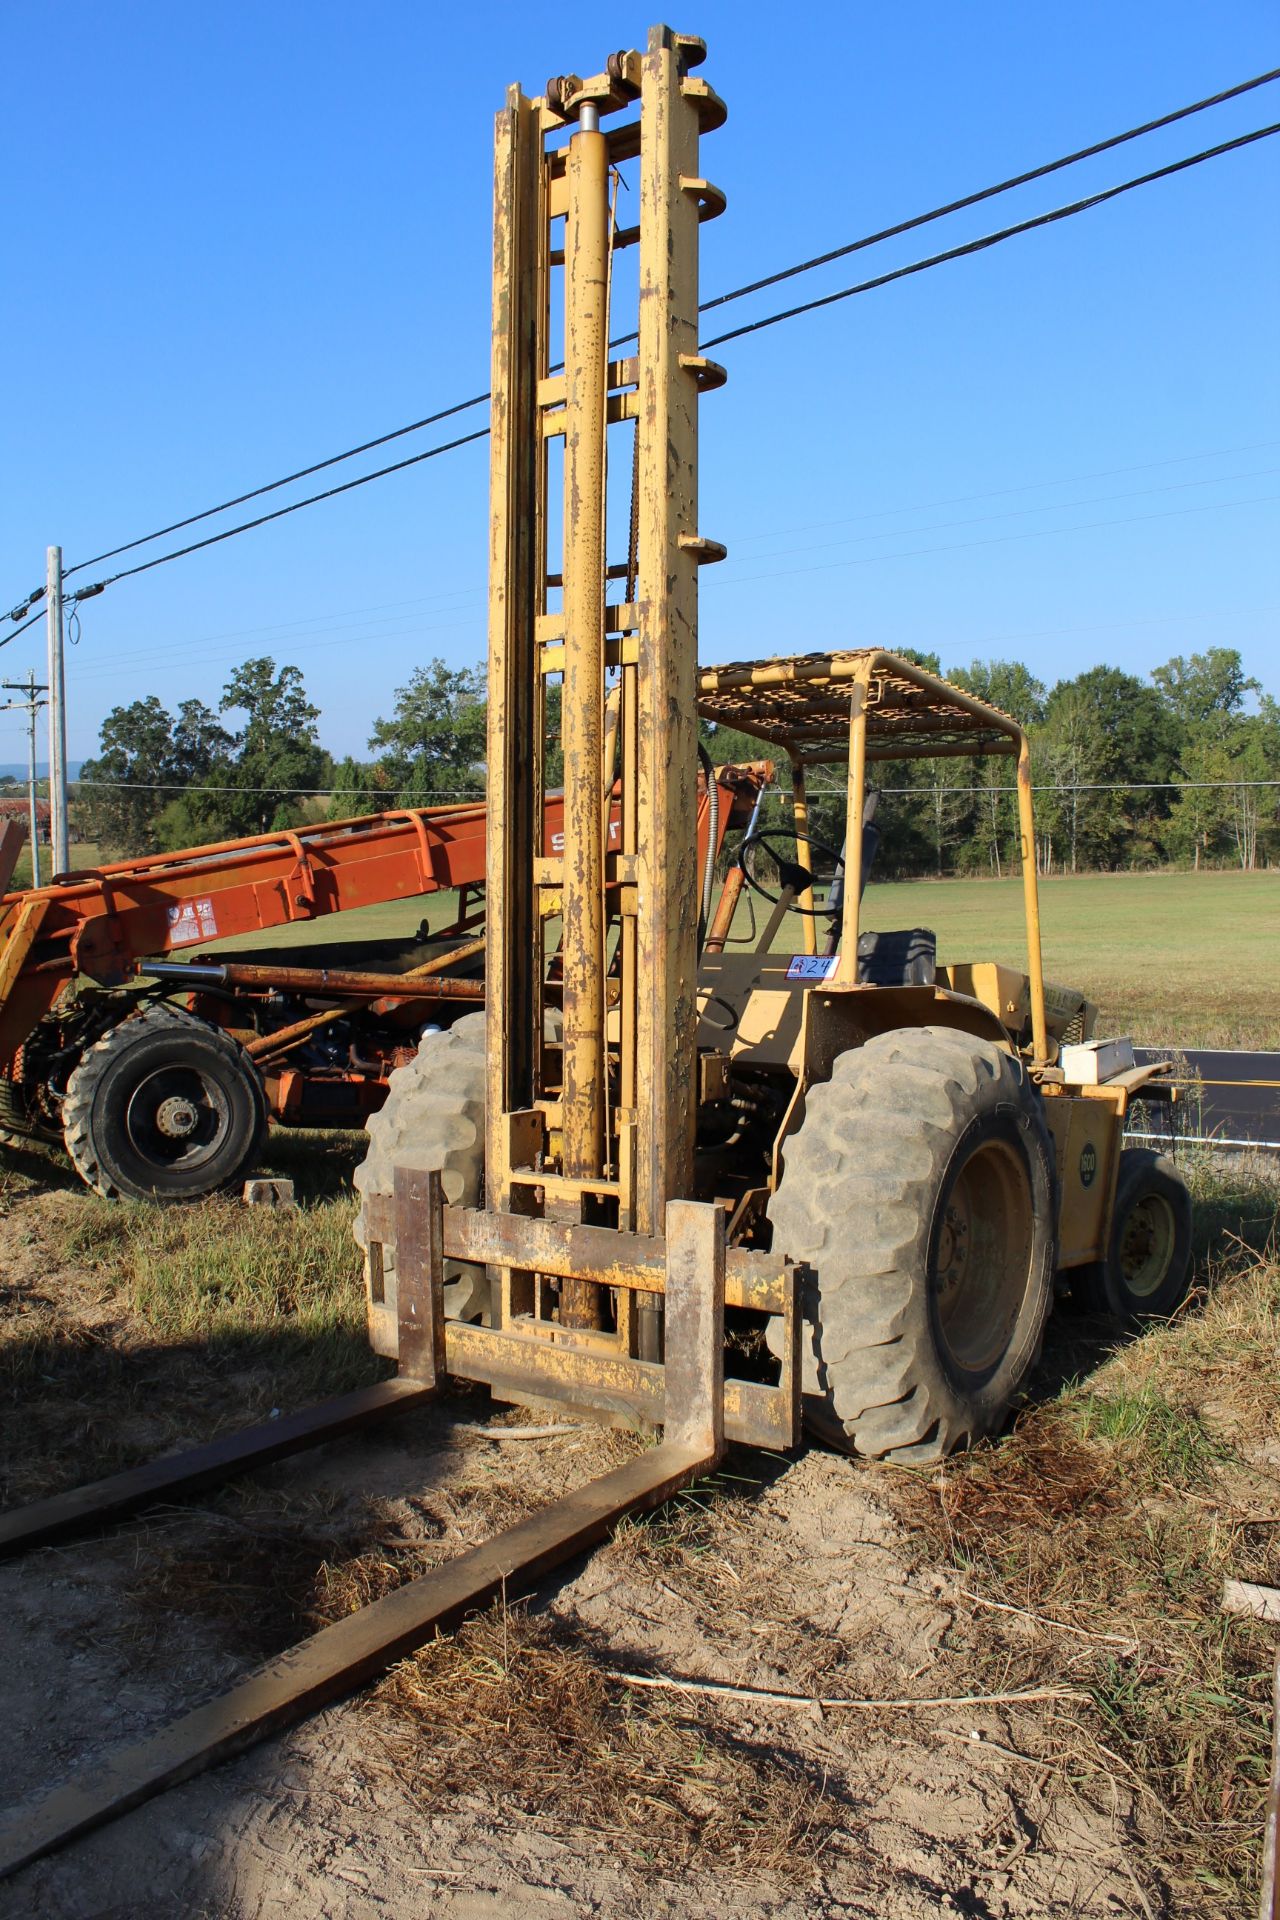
<point x="600" y="1131"/>
<point x="871" y="705"/>
<point x="343" y="1657"/>
<point x="585" y="1190"/>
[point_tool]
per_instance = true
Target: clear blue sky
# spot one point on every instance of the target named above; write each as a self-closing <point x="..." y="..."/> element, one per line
<point x="243" y="236"/>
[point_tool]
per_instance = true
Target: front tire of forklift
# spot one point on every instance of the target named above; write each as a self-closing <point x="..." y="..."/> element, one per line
<point x="1147" y="1272"/>
<point x="918" y="1192"/>
<point x="163" y="1107"/>
<point x="434" y="1110"/>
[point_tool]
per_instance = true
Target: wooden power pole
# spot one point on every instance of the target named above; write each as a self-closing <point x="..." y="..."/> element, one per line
<point x="59" y="847"/>
<point x="31" y="706"/>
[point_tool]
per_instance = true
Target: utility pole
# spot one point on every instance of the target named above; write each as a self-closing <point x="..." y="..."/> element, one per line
<point x="32" y="706"/>
<point x="59" y="848"/>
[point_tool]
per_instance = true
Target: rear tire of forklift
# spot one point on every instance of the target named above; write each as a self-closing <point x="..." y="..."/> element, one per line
<point x="1147" y="1272"/>
<point x="918" y="1191"/>
<point x="434" y="1114"/>
<point x="164" y="1107"/>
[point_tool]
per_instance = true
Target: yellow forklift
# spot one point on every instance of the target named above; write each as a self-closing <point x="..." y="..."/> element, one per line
<point x="877" y="1162"/>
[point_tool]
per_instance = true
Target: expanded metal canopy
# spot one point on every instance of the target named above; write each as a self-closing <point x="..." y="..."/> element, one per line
<point x="804" y="705"/>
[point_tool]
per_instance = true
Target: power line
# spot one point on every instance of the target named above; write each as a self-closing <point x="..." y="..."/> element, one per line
<point x="262" y="519"/>
<point x="303" y="473"/>
<point x="719" y="300"/>
<point x="393" y="624"/>
<point x="392" y="793"/>
<point x="1063" y="786"/>
<point x="914" y="267"/>
<point x="1012" y="513"/>
<point x="993" y="239"/>
<point x="35" y="618"/>
<point x="989" y="193"/>
<point x="288" y="793"/>
<point x="736" y="293"/>
<point x="755" y="326"/>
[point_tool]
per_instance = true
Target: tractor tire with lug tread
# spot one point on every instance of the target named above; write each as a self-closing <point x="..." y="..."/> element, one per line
<point x="163" y="1107"/>
<point x="433" y="1116"/>
<point x="1147" y="1272"/>
<point x="919" y="1193"/>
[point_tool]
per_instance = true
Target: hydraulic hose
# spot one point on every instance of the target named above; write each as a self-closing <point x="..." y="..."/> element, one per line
<point x="713" y="836"/>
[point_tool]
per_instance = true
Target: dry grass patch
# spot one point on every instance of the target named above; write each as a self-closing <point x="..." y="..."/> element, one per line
<point x="131" y="1330"/>
<point x="512" y="1708"/>
<point x="1094" y="1541"/>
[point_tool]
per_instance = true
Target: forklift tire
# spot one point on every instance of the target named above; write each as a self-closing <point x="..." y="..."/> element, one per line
<point x="1147" y="1272"/>
<point x="918" y="1192"/>
<point x="433" y="1117"/>
<point x="163" y="1107"/>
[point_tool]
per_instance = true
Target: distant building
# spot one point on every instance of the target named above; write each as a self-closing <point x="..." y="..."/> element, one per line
<point x="15" y="807"/>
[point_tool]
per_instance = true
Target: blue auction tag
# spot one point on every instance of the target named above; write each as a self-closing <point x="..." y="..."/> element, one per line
<point x="813" y="966"/>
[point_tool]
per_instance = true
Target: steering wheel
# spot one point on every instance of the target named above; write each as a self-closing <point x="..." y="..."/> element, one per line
<point x="790" y="872"/>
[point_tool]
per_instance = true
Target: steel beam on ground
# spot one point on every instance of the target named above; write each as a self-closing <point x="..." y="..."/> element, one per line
<point x="342" y="1657"/>
<point x="185" y="1473"/>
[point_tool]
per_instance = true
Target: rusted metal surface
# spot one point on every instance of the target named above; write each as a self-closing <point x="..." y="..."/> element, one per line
<point x="865" y="705"/>
<point x="515" y="751"/>
<point x="671" y="550"/>
<point x="586" y="302"/>
<point x="624" y="1069"/>
<point x="846" y="974"/>
<point x="321" y="981"/>
<point x="804" y="854"/>
<point x="342" y="1657"/>
<point x="1031" y="903"/>
<point x="753" y="1280"/>
<point x="1269" y="1902"/>
<point x="419" y="1273"/>
<point x="519" y="1364"/>
<point x="726" y="906"/>
<point x="802" y="704"/>
<point x="757" y="1281"/>
<point x="266" y="1046"/>
<point x="185" y="1473"/>
<point x="694" y="1334"/>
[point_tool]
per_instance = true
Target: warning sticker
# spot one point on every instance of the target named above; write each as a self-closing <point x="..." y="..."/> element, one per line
<point x="193" y="920"/>
<point x="813" y="966"/>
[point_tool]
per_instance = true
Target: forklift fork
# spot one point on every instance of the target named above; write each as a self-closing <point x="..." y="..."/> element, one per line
<point x="343" y="1657"/>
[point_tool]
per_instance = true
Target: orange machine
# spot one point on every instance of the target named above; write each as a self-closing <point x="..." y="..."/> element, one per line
<point x="159" y="1065"/>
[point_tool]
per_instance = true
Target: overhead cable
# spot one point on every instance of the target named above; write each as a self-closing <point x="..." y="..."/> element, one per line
<point x="989" y="193"/>
<point x="918" y="266"/>
<point x="296" y="506"/>
<point x="33" y="621"/>
<point x="718" y="300"/>
<point x="303" y="473"/>
<point x="993" y="239"/>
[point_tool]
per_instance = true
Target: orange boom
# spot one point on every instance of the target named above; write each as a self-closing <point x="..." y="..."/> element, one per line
<point x="159" y="1068"/>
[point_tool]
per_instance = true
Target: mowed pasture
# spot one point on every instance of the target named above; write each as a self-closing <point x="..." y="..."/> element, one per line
<point x="1174" y="959"/>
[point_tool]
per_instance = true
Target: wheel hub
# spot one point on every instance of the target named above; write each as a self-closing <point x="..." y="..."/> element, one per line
<point x="1146" y="1245"/>
<point x="177" y="1118"/>
<point x="979" y="1265"/>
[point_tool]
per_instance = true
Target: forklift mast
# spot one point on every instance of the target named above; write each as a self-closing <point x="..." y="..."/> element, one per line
<point x="599" y="1128"/>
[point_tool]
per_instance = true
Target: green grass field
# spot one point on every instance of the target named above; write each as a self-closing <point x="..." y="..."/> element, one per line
<point x="83" y="854"/>
<point x="1175" y="959"/>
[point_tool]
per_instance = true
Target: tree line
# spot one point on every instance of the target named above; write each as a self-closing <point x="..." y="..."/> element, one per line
<point x="1129" y="772"/>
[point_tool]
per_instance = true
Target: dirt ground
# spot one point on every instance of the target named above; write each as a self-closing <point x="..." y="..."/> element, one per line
<point x="521" y="1768"/>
